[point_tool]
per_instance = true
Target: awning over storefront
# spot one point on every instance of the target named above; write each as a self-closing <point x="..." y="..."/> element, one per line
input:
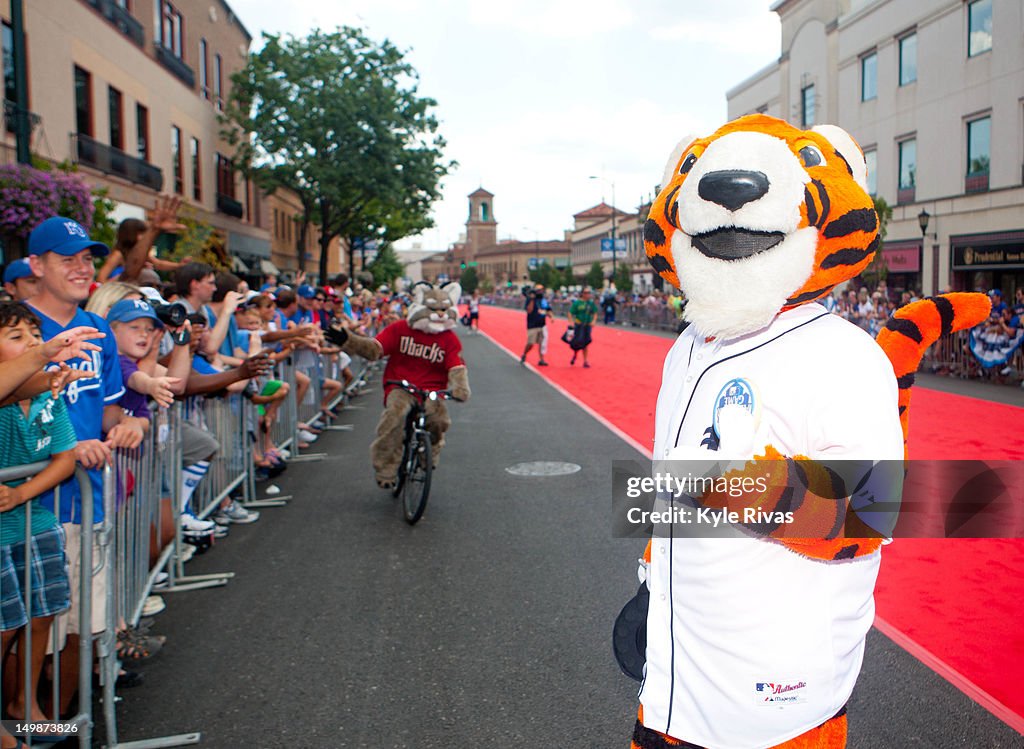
<point x="238" y="265"/>
<point x="244" y="244"/>
<point x="267" y="268"/>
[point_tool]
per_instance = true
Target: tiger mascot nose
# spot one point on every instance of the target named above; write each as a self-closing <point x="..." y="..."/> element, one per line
<point x="732" y="188"/>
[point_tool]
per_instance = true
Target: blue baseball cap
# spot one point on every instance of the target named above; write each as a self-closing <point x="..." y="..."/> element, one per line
<point x="132" y="309"/>
<point x="17" y="269"/>
<point x="64" y="236"/>
<point x="306" y="291"/>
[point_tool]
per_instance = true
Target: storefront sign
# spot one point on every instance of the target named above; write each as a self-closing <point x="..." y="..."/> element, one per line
<point x="972" y="257"/>
<point x="906" y="259"/>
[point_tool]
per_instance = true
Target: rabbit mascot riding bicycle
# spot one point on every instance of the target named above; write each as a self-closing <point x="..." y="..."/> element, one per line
<point x="424" y="350"/>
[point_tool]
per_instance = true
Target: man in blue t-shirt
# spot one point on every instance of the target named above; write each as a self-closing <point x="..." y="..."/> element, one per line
<point x="61" y="253"/>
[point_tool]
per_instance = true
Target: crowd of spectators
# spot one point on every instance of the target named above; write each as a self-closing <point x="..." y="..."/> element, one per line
<point x="85" y="362"/>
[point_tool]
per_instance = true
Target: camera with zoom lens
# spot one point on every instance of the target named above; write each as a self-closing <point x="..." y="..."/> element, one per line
<point x="172" y="315"/>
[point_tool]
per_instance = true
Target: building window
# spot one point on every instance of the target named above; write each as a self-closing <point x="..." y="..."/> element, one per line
<point x="978" y="154"/>
<point x="83" y="101"/>
<point x="179" y="178"/>
<point x="871" y="160"/>
<point x="979" y="27"/>
<point x="197" y="182"/>
<point x="225" y="177"/>
<point x="204" y="75"/>
<point x="807" y="106"/>
<point x="169" y="28"/>
<point x="10" y="93"/>
<point x="116" y="110"/>
<point x="908" y="171"/>
<point x="217" y="82"/>
<point x="142" y="131"/>
<point x="484" y="212"/>
<point x="869" y="77"/>
<point x="908" y="59"/>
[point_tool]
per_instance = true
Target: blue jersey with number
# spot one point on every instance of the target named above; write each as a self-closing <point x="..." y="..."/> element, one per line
<point x="86" y="400"/>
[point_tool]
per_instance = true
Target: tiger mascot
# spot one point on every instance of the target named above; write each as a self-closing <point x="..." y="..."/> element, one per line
<point x="424" y="350"/>
<point x="756" y="640"/>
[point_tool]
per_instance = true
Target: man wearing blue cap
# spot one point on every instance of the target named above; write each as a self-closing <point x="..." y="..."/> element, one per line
<point x="61" y="257"/>
<point x="19" y="281"/>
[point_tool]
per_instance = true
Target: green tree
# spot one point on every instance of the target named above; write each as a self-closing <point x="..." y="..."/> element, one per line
<point x="568" y="277"/>
<point x="595" y="276"/>
<point x="336" y="117"/>
<point x="469" y="279"/>
<point x="486" y="285"/>
<point x="385" y="267"/>
<point x="878" y="270"/>
<point x="547" y="275"/>
<point x="623" y="279"/>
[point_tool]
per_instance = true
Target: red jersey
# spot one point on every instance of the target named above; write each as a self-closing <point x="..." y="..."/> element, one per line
<point x="421" y="358"/>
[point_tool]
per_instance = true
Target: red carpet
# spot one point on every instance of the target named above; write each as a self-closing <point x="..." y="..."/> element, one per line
<point x="956" y="605"/>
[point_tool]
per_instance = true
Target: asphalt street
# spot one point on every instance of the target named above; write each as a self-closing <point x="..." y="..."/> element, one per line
<point x="486" y="625"/>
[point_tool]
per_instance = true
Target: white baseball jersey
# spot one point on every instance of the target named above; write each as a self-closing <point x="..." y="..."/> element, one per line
<point x="748" y="643"/>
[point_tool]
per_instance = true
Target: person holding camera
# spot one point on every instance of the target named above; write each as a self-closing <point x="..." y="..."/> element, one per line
<point x="537" y="309"/>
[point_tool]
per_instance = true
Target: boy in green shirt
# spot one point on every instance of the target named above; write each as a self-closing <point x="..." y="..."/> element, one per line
<point x="34" y="426"/>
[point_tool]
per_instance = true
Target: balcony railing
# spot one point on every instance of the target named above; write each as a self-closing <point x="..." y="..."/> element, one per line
<point x="905" y="195"/>
<point x="229" y="206"/>
<point x="175" y="65"/>
<point x="110" y="160"/>
<point x="121" y="19"/>
<point x="977" y="182"/>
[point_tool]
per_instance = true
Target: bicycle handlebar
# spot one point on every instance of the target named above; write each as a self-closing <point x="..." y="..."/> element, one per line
<point x="425" y="394"/>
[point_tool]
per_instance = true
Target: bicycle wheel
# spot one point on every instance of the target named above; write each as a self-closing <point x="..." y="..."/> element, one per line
<point x="416" y="488"/>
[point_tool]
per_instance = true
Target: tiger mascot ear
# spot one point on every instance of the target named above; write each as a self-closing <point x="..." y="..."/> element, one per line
<point x="454" y="291"/>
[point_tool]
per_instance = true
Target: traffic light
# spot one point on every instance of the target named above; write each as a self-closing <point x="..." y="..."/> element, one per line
<point x="508" y="284"/>
<point x="462" y="266"/>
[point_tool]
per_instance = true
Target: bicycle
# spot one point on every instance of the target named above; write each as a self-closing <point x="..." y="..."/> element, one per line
<point x="416" y="468"/>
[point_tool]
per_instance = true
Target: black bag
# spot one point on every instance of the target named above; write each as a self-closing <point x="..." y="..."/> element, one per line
<point x="465" y="319"/>
<point x="567" y="335"/>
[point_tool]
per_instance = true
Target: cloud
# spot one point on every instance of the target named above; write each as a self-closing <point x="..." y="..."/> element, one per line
<point x="556" y="18"/>
<point x="753" y="36"/>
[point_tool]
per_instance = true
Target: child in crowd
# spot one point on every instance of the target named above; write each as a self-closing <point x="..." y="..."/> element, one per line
<point x="33" y="429"/>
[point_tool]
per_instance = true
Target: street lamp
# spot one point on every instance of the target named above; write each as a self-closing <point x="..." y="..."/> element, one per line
<point x="922" y="221"/>
<point x="614" y="211"/>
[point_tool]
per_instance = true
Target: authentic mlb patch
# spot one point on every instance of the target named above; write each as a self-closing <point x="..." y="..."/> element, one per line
<point x="780" y="692"/>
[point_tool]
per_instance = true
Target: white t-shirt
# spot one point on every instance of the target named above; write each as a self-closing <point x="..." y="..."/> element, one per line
<point x="733" y="619"/>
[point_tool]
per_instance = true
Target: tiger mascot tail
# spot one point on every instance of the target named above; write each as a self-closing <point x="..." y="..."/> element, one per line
<point x="752" y="223"/>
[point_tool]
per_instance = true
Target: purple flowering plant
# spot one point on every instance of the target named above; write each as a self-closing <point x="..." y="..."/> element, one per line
<point x="29" y="196"/>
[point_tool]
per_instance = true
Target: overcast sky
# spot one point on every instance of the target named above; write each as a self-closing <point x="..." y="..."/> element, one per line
<point x="536" y="96"/>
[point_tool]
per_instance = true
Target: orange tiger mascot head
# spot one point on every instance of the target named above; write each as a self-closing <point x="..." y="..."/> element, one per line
<point x="760" y="217"/>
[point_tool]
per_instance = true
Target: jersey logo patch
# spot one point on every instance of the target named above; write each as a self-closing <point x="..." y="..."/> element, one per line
<point x="737" y="392"/>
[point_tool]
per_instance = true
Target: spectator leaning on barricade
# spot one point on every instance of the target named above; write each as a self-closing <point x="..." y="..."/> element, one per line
<point x="307" y="357"/>
<point x="19" y="281"/>
<point x="34" y="426"/>
<point x="61" y="255"/>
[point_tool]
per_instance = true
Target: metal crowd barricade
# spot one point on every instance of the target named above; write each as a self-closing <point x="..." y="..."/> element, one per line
<point x="80" y="724"/>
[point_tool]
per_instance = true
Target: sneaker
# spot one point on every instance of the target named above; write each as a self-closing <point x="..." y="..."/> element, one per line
<point x="522" y="360"/>
<point x="586" y="365"/>
<point x="542" y="363"/>
<point x="153" y="606"/>
<point x="235" y="513"/>
<point x="221" y="532"/>
<point x="192" y="524"/>
<point x="160" y="581"/>
<point x="306" y="436"/>
<point x="272" y="490"/>
<point x="187" y="552"/>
